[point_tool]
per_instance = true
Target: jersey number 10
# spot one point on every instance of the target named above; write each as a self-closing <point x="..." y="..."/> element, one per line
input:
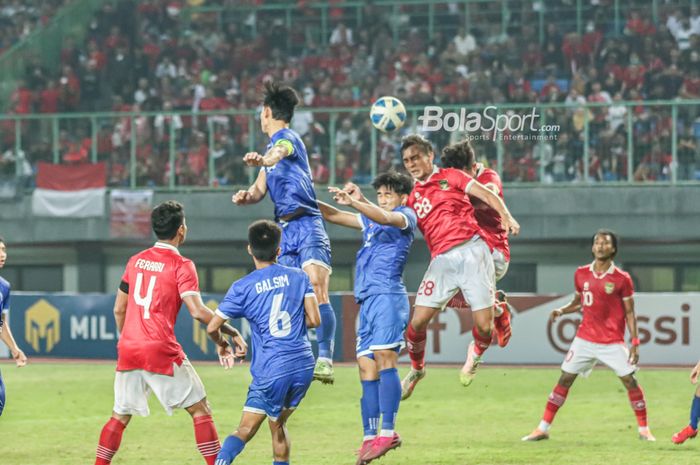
<point x="145" y="301"/>
<point x="280" y="322"/>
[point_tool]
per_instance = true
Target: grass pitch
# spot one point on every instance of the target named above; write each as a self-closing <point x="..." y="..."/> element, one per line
<point x="55" y="411"/>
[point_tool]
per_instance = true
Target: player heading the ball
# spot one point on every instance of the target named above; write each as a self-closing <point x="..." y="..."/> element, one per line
<point x="286" y="175"/>
<point x="280" y="305"/>
<point x="460" y="258"/>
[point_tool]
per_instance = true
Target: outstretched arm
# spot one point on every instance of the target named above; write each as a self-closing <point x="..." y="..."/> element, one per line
<point x="254" y="194"/>
<point x="282" y="149"/>
<point x="339" y="217"/>
<point x="481" y="192"/>
<point x="204" y="315"/>
<point x="370" y="210"/>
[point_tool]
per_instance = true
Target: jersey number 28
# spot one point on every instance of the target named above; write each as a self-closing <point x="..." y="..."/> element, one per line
<point x="422" y="207"/>
<point x="280" y="322"/>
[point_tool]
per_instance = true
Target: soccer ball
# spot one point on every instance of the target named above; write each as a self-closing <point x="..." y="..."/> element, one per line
<point x="387" y="114"/>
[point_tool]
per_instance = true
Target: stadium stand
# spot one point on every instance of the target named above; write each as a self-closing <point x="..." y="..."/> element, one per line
<point x="213" y="58"/>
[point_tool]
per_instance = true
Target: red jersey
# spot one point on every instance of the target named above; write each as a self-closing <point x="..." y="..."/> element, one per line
<point x="158" y="279"/>
<point x="602" y="304"/>
<point x="489" y="220"/>
<point x="441" y="206"/>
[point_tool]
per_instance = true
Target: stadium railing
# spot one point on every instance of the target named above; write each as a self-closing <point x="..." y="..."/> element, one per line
<point x="638" y="143"/>
<point x="317" y="19"/>
<point x="44" y="44"/>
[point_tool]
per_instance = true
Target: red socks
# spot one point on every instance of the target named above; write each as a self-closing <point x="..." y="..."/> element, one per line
<point x="639" y="405"/>
<point x="556" y="400"/>
<point x="481" y="343"/>
<point x="207" y="438"/>
<point x="110" y="438"/>
<point x="415" y="341"/>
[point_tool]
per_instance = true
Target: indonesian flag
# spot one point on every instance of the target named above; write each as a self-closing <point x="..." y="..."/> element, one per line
<point x="74" y="191"/>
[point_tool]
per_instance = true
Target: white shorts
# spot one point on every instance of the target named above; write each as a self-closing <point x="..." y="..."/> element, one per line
<point x="132" y="388"/>
<point x="467" y="267"/>
<point x="583" y="355"/>
<point x="500" y="264"/>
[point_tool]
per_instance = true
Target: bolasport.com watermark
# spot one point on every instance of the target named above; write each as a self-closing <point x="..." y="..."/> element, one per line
<point x="489" y="124"/>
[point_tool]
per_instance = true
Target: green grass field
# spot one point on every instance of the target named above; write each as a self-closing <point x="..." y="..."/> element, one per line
<point x="55" y="412"/>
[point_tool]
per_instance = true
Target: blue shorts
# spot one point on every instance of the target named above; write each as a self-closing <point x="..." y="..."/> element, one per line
<point x="304" y="242"/>
<point x="279" y="394"/>
<point x="2" y="394"/>
<point x="383" y="319"/>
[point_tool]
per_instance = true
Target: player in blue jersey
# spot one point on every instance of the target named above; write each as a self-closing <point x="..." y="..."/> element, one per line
<point x="5" y="332"/>
<point x="387" y="232"/>
<point x="280" y="305"/>
<point x="286" y="175"/>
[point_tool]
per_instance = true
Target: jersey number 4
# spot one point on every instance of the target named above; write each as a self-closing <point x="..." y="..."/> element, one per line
<point x="145" y="301"/>
<point x="280" y="322"/>
<point x="422" y="207"/>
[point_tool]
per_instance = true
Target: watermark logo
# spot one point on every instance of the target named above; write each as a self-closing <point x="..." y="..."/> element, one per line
<point x="490" y="121"/>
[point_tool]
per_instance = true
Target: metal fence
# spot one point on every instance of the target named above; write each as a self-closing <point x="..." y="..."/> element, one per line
<point x="543" y="144"/>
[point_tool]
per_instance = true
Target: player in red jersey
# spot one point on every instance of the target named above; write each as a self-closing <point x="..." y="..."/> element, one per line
<point x="155" y="284"/>
<point x="604" y="294"/>
<point x="460" y="259"/>
<point x="461" y="156"/>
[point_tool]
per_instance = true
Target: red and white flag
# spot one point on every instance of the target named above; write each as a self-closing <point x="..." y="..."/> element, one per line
<point x="75" y="191"/>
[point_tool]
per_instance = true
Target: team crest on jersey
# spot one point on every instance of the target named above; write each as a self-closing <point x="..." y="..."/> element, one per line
<point x="609" y="288"/>
<point x="443" y="184"/>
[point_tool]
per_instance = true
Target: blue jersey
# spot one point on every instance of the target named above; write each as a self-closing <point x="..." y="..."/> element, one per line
<point x="289" y="181"/>
<point x="272" y="300"/>
<point x="381" y="260"/>
<point x="4" y="298"/>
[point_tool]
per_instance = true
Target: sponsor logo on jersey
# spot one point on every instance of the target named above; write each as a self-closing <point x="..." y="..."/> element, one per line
<point x="42" y="321"/>
<point x="585" y="286"/>
<point x="609" y="288"/>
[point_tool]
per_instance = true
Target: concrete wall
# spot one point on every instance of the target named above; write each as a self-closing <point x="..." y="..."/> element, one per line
<point x="658" y="224"/>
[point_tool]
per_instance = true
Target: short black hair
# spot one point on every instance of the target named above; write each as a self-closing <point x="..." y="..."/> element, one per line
<point x="281" y="99"/>
<point x="416" y="139"/>
<point x="460" y="156"/>
<point x="607" y="232"/>
<point x="397" y="182"/>
<point x="167" y="218"/>
<point x="264" y="239"/>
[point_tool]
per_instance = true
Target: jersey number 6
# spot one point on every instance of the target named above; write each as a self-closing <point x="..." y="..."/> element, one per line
<point x="280" y="321"/>
<point x="144" y="302"/>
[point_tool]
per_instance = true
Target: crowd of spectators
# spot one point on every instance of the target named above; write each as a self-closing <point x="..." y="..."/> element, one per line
<point x="19" y="18"/>
<point x="149" y="56"/>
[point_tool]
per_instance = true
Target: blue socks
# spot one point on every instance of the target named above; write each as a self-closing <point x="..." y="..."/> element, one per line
<point x="325" y="333"/>
<point x="280" y="463"/>
<point x="369" y="406"/>
<point x="695" y="412"/>
<point x="230" y="449"/>
<point x="389" y="397"/>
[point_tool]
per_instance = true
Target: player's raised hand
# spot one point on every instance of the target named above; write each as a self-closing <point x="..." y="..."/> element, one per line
<point x="241" y="197"/>
<point x="353" y="190"/>
<point x="556" y="313"/>
<point x="695" y="373"/>
<point x="226" y="357"/>
<point x="634" y="355"/>
<point x="20" y="358"/>
<point x="253" y="159"/>
<point x="340" y="196"/>
<point x="511" y="226"/>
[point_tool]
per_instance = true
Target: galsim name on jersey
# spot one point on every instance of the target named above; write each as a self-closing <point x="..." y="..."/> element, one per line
<point x="271" y="284"/>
